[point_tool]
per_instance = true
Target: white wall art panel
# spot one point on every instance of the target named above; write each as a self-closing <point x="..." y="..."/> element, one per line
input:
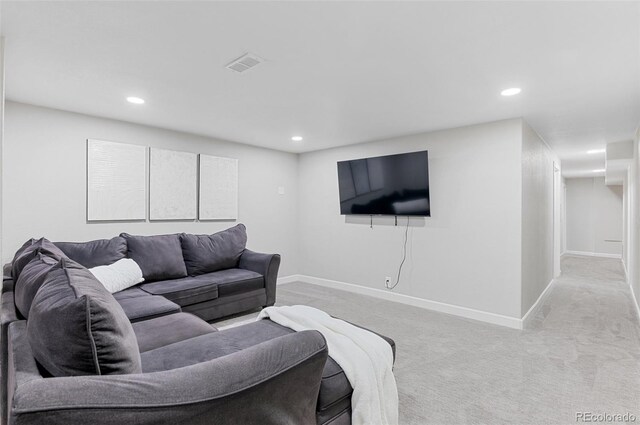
<point x="218" y="188"/>
<point x="116" y="181"/>
<point x="172" y="185"/>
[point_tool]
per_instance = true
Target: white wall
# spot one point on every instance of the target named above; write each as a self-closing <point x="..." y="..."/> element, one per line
<point x="2" y="95"/>
<point x="632" y="239"/>
<point x="558" y="215"/>
<point x="563" y="215"/>
<point x="625" y="221"/>
<point x="1" y="135"/>
<point x="580" y="233"/>
<point x="538" y="238"/>
<point x="490" y="196"/>
<point x="45" y="182"/>
<point x="466" y="254"/>
<point x="594" y="216"/>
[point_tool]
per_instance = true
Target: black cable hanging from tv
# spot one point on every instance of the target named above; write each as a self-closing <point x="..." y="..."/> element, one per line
<point x="404" y="257"/>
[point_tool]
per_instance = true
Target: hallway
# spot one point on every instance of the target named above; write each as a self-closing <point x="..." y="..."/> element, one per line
<point x="590" y="333"/>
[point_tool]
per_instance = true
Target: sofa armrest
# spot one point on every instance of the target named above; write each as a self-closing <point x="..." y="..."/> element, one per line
<point x="9" y="312"/>
<point x="275" y="382"/>
<point x="265" y="264"/>
<point x="6" y="271"/>
<point x="8" y="315"/>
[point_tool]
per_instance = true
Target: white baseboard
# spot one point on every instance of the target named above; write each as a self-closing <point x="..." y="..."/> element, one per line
<point x="469" y="313"/>
<point x="534" y="308"/>
<point x="635" y="302"/>
<point x="593" y="254"/>
<point x="288" y="279"/>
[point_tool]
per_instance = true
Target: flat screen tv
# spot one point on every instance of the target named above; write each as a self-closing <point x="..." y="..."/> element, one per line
<point x="385" y="185"/>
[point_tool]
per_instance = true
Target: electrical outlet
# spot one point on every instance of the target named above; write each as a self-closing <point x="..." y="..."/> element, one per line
<point x="387" y="281"/>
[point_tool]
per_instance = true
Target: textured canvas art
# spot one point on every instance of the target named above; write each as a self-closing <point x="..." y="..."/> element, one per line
<point x="116" y="181"/>
<point x="172" y="185"/>
<point x="218" y="188"/>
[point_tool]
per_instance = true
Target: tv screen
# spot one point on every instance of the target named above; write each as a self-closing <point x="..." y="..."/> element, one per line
<point x="385" y="185"/>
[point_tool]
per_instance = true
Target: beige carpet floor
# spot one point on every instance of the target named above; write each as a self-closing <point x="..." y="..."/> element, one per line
<point x="581" y="353"/>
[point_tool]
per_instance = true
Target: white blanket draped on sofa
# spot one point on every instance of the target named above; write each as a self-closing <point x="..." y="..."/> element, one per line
<point x="366" y="359"/>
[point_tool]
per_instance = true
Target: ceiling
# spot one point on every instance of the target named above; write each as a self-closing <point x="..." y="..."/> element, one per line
<point x="336" y="73"/>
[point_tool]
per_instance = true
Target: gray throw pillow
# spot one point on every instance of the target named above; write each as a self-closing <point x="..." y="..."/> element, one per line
<point x="159" y="257"/>
<point x="30" y="280"/>
<point x="209" y="253"/>
<point x="28" y="252"/>
<point x="101" y="252"/>
<point x="76" y="327"/>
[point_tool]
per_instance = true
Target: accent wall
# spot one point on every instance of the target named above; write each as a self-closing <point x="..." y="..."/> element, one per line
<point x="467" y="254"/>
<point x="45" y="182"/>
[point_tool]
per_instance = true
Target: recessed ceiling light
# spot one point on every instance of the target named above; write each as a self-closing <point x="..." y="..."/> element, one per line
<point x="601" y="170"/>
<point x="297" y="138"/>
<point x="592" y="151"/>
<point x="511" y="92"/>
<point x="136" y="100"/>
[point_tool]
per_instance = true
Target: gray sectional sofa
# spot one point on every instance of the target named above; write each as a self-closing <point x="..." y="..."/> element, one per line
<point x="211" y="276"/>
<point x="72" y="353"/>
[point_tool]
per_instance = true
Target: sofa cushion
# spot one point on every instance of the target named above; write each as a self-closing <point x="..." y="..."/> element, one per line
<point x="185" y="291"/>
<point x="212" y="346"/>
<point x="159" y="257"/>
<point x="100" y="252"/>
<point x="76" y="327"/>
<point x="26" y="247"/>
<point x="29" y="250"/>
<point x="144" y="308"/>
<point x="165" y="330"/>
<point x="228" y="305"/>
<point x="233" y="281"/>
<point x="208" y="253"/>
<point x="130" y="293"/>
<point x="338" y="414"/>
<point x="30" y="280"/>
<point x="334" y="387"/>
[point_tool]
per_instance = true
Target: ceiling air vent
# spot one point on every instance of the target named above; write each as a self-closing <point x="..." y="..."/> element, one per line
<point x="245" y="62"/>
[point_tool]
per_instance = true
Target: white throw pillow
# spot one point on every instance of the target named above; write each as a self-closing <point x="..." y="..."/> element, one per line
<point x="118" y="276"/>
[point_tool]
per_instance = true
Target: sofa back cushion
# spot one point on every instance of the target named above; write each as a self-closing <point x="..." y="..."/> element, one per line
<point x="159" y="257"/>
<point x="100" y="252"/>
<point x="76" y="327"/>
<point x="29" y="251"/>
<point x="209" y="253"/>
<point x="30" y="280"/>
